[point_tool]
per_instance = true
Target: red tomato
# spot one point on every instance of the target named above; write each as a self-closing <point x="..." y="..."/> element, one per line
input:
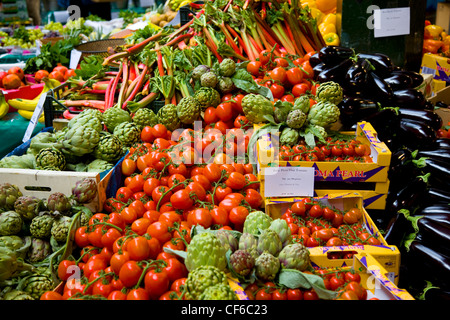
<point x="237" y="215"/>
<point x="156" y="283"/>
<point x="294" y="75"/>
<point x="254" y="67"/>
<point x="299" y="89"/>
<point x="278" y="74"/>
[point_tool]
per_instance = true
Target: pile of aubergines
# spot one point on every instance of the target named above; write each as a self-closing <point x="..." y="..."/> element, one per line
<point x="377" y="91"/>
<point x="418" y="207"/>
<point x="416" y="218"/>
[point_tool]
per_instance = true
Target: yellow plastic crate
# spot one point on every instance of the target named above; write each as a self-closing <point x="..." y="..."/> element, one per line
<point x="369" y="179"/>
<point x="387" y="255"/>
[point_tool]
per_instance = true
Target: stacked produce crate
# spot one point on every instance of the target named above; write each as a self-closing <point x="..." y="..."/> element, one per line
<point x="369" y="179"/>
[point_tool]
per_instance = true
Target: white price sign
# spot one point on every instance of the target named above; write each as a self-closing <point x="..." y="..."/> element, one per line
<point x="289" y="182"/>
<point x="75" y="57"/>
<point x="391" y="22"/>
<point x="35" y="117"/>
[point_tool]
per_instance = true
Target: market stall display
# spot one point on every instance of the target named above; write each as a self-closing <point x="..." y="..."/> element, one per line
<point x="170" y="135"/>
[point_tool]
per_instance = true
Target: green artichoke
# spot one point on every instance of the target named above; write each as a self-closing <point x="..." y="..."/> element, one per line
<point x="60" y="228"/>
<point x="282" y="109"/>
<point x="296" y="119"/>
<point x="25" y="161"/>
<point x="145" y="117"/>
<point x="90" y="112"/>
<point x="50" y="158"/>
<point x="39" y="250"/>
<point x="86" y="120"/>
<point x="84" y="190"/>
<point x="205" y="249"/>
<point x="249" y="243"/>
<point x="330" y="91"/>
<point x="80" y="141"/>
<point x="207" y="97"/>
<point x="322" y="131"/>
<point x="218" y="292"/>
<point x="36" y="285"/>
<point x="99" y="165"/>
<point x="11" y="264"/>
<point x="225" y="85"/>
<point x="10" y="223"/>
<point x="168" y="116"/>
<point x="188" y="110"/>
<point x="41" y="226"/>
<point x="289" y="137"/>
<point x="17" y="295"/>
<point x="256" y="221"/>
<point x="128" y="133"/>
<point x="202" y="277"/>
<point x="294" y="256"/>
<point x="266" y="266"/>
<point x="323" y="113"/>
<point x="58" y="201"/>
<point x="280" y="226"/>
<point x="28" y="207"/>
<point x="209" y="79"/>
<point x="85" y="217"/>
<point x="40" y="141"/>
<point x="242" y="262"/>
<point x="227" y="67"/>
<point x="114" y="116"/>
<point x="109" y="148"/>
<point x="270" y="242"/>
<point x="228" y="241"/>
<point x="17" y="244"/>
<point x="8" y="195"/>
<point x="255" y="107"/>
<point x="302" y="103"/>
<point x="199" y="71"/>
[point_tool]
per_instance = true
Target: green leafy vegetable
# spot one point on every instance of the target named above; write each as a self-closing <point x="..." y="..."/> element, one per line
<point x="89" y="67"/>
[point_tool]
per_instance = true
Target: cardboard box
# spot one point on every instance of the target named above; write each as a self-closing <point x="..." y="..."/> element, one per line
<point x="437" y="66"/>
<point x="427" y="85"/>
<point x="375" y="279"/>
<point x="443" y="15"/>
<point x="41" y="183"/>
<point x="387" y="255"/>
<point x="444" y="96"/>
<point x="343" y="176"/>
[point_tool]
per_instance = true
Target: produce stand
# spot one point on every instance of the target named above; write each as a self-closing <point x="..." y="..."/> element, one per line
<point x="227" y="150"/>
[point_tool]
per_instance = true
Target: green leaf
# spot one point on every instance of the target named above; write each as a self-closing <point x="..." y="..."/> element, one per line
<point x="89" y="67"/>
<point x="180" y="253"/>
<point x="294" y="279"/>
<point x="309" y="137"/>
<point x="243" y="80"/>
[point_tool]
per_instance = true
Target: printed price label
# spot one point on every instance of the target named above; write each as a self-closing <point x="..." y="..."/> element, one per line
<point x="34" y="119"/>
<point x="289" y="182"/>
<point x="391" y="22"/>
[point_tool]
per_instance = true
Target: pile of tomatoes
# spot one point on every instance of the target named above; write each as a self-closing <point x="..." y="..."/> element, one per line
<point x="314" y="224"/>
<point x="60" y="73"/>
<point x="122" y="253"/>
<point x="288" y="76"/>
<point x="334" y="149"/>
<point x="347" y="284"/>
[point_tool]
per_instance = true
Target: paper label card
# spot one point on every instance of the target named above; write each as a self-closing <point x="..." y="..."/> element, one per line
<point x="35" y="117"/>
<point x="289" y="182"/>
<point x="75" y="57"/>
<point x="391" y="22"/>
